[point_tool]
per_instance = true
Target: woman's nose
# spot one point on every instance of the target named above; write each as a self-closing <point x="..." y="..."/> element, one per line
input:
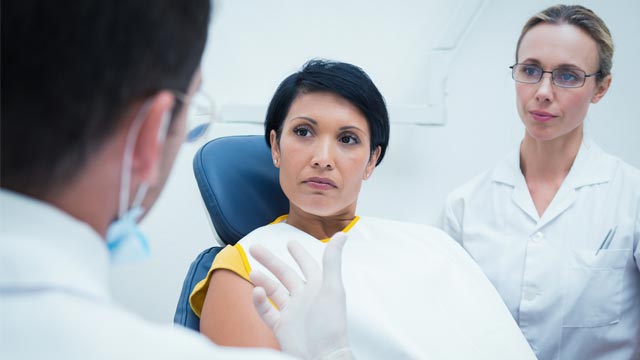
<point x="323" y="155"/>
<point x="545" y="88"/>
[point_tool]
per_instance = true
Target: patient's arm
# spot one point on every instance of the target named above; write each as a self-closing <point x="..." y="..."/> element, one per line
<point x="229" y="317"/>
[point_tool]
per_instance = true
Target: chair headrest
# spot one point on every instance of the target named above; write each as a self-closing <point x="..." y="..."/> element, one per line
<point x="239" y="185"/>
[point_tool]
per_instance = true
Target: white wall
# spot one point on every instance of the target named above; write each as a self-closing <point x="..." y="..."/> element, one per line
<point x="254" y="44"/>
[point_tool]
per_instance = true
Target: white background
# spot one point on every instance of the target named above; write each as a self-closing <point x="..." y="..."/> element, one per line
<point x="254" y="44"/>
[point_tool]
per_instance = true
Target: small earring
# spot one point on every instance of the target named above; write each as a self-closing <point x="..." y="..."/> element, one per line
<point x="275" y="162"/>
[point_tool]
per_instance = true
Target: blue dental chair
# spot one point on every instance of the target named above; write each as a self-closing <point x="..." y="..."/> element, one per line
<point x="241" y="192"/>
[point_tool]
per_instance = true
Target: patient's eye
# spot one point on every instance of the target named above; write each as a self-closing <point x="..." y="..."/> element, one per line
<point x="302" y="131"/>
<point x="349" y="139"/>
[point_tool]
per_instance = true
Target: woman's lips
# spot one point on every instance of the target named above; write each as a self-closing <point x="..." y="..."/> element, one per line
<point x="320" y="183"/>
<point x="542" y="116"/>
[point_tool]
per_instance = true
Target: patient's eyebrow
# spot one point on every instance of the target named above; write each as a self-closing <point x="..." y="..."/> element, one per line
<point x="350" y="127"/>
<point x="306" y="118"/>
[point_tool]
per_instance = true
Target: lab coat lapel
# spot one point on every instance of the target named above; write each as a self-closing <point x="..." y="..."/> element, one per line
<point x="508" y="173"/>
<point x="522" y="198"/>
<point x="589" y="168"/>
<point x="563" y="200"/>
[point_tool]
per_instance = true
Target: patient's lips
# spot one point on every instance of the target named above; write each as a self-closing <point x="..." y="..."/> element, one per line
<point x="320" y="183"/>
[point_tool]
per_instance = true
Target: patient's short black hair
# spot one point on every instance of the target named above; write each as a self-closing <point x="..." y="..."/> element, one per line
<point x="71" y="69"/>
<point x="345" y="80"/>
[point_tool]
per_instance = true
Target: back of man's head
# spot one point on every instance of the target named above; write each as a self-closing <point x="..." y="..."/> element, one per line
<point x="71" y="69"/>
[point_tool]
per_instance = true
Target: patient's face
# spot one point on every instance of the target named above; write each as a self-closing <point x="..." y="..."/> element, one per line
<point x="323" y="155"/>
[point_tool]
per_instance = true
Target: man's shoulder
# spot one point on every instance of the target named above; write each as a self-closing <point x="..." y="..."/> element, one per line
<point x="98" y="329"/>
<point x="139" y="338"/>
<point x="175" y="342"/>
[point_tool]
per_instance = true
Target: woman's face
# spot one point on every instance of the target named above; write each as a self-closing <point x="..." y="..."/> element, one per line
<point x="323" y="154"/>
<point x="548" y="111"/>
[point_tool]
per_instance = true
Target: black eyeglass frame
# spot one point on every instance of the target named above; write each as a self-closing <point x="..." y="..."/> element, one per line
<point x="553" y="75"/>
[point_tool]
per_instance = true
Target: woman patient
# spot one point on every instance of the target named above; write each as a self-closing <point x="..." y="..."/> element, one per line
<point x="412" y="292"/>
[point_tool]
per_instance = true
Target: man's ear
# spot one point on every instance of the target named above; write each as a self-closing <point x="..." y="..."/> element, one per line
<point x="147" y="151"/>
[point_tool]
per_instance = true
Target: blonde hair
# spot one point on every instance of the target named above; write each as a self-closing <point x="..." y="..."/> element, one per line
<point x="584" y="19"/>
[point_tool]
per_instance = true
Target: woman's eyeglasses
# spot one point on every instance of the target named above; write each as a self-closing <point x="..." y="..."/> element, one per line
<point x="562" y="77"/>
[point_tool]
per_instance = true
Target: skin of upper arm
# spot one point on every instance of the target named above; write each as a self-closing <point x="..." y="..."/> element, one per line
<point x="229" y="317"/>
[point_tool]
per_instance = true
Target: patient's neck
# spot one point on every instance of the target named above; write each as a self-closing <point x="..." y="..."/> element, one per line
<point x="320" y="227"/>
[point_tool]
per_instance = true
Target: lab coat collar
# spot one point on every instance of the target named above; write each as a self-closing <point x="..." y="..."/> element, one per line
<point x="45" y="249"/>
<point x="591" y="166"/>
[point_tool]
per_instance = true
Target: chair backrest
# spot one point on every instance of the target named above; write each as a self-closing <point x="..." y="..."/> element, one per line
<point x="241" y="191"/>
<point x="197" y="271"/>
<point x="239" y="185"/>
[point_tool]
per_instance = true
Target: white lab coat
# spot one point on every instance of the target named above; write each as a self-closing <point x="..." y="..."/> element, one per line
<point x="570" y="301"/>
<point x="54" y="298"/>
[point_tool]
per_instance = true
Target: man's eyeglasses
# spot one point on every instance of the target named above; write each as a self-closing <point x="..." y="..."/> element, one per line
<point x="562" y="77"/>
<point x="201" y="113"/>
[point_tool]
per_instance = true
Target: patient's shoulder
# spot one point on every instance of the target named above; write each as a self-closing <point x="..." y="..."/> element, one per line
<point x="270" y="234"/>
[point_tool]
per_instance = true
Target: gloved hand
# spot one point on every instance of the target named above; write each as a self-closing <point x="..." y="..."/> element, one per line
<point x="311" y="322"/>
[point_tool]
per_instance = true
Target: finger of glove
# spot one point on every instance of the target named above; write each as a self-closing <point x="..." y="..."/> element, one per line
<point x="287" y="276"/>
<point x="308" y="265"/>
<point x="274" y="290"/>
<point x="268" y="313"/>
<point x="332" y="259"/>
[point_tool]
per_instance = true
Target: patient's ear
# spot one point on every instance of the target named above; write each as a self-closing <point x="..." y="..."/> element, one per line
<point x="371" y="165"/>
<point x="275" y="149"/>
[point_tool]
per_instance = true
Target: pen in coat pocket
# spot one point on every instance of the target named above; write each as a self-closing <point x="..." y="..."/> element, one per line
<point x="607" y="239"/>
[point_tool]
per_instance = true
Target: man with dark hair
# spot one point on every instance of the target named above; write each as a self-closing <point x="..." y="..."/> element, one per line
<point x="94" y="106"/>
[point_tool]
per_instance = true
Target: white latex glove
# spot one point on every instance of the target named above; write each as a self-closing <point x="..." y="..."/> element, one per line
<point x="311" y="322"/>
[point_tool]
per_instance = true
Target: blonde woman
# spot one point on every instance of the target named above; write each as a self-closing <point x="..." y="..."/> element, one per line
<point x="556" y="224"/>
